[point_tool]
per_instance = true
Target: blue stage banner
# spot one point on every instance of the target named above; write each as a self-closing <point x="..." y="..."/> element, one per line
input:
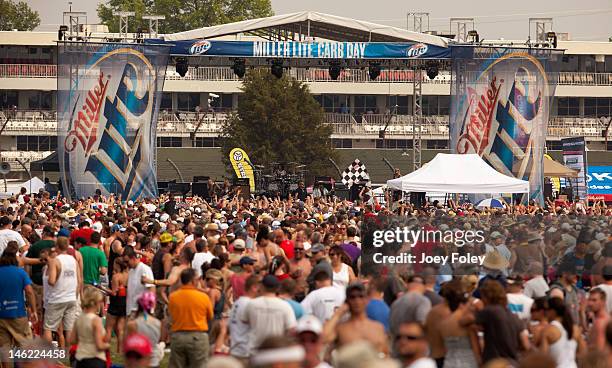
<point x="599" y="180"/>
<point x="500" y="104"/>
<point x="310" y="50"/>
<point x="108" y="101"/>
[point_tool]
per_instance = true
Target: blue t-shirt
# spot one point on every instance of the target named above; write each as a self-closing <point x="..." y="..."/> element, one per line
<point x="298" y="310"/>
<point x="13" y="281"/>
<point x="378" y="310"/>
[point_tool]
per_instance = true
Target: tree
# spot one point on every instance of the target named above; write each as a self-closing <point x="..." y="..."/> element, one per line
<point x="278" y="120"/>
<point x="17" y="16"/>
<point x="183" y="15"/>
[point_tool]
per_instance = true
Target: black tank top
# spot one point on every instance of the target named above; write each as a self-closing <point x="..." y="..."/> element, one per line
<point x="112" y="255"/>
<point x="157" y="265"/>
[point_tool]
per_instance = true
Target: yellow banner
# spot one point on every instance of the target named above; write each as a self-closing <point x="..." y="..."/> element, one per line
<point x="556" y="182"/>
<point x="242" y="166"/>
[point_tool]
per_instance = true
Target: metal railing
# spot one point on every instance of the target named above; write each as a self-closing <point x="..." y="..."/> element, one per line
<point x="305" y="75"/>
<point x="184" y="122"/>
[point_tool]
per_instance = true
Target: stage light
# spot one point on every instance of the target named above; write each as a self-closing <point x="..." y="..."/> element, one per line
<point x="432" y="70"/>
<point x="277" y="68"/>
<point x="334" y="70"/>
<point x="62" y="31"/>
<point x="551" y="37"/>
<point x="374" y="71"/>
<point x="182" y="66"/>
<point x="239" y="68"/>
<point x="473" y="36"/>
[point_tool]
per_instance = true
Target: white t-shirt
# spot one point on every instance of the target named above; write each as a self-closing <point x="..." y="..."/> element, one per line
<point x="608" y="290"/>
<point x="7" y="235"/>
<point x="239" y="331"/>
<point x="423" y="363"/>
<point x="267" y="316"/>
<point x="322" y="302"/>
<point x="135" y="287"/>
<point x="520" y="304"/>
<point x="199" y="259"/>
<point x="536" y="287"/>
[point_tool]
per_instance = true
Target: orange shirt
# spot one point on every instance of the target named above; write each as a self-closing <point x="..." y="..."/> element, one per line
<point x="190" y="309"/>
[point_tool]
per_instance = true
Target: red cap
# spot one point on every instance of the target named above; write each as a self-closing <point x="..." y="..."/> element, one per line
<point x="138" y="343"/>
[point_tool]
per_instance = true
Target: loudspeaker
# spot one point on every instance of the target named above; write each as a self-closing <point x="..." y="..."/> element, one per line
<point x="417" y="198"/>
<point x="179" y="188"/>
<point x="200" y="189"/>
<point x="5" y="168"/>
<point x="162" y="187"/>
<point x="341" y="191"/>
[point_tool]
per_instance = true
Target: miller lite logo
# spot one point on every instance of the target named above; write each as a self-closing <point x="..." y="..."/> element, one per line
<point x="416" y="50"/>
<point x="200" y="47"/>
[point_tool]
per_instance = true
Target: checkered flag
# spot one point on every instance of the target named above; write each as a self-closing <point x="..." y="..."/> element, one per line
<point x="355" y="173"/>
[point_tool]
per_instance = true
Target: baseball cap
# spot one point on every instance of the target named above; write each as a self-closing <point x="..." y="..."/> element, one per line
<point x="117" y="227"/>
<point x="165" y="238"/>
<point x="97" y="226"/>
<point x="239" y="244"/>
<point x="246" y="260"/>
<point x="139" y="344"/>
<point x="270" y="282"/>
<point x="496" y="234"/>
<point x="309" y="323"/>
<point x="317" y="248"/>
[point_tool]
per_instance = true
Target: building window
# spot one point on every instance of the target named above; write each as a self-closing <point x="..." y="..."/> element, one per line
<point x="188" y="101"/>
<point x="394" y="143"/>
<point x="221" y="103"/>
<point x="403" y="104"/>
<point x="207" y="142"/>
<point x="553" y="145"/>
<point x="169" y="142"/>
<point x="166" y="101"/>
<point x="437" y="144"/>
<point x="365" y="104"/>
<point x="36" y="143"/>
<point x="342" y="143"/>
<point x="568" y="106"/>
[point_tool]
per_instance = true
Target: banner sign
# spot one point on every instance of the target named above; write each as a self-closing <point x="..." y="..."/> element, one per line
<point x="574" y="157"/>
<point x="108" y="101"/>
<point x="599" y="180"/>
<point x="308" y="50"/>
<point x="242" y="166"/>
<point x="500" y="104"/>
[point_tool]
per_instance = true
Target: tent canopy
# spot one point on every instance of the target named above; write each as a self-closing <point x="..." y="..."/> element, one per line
<point x="553" y="169"/>
<point x="453" y="173"/>
<point x="33" y="186"/>
<point x="320" y="25"/>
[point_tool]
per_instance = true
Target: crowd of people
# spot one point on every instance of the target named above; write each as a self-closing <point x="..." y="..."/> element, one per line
<point x="269" y="282"/>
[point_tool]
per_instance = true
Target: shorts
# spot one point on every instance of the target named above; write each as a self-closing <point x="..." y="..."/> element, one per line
<point x="55" y="313"/>
<point x="14" y="331"/>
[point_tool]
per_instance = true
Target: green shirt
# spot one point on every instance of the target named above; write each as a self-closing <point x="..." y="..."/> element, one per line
<point x="93" y="259"/>
<point x="34" y="252"/>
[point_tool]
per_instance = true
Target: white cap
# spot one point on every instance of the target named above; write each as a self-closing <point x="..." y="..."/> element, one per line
<point x="130" y="203"/>
<point x="164" y="217"/>
<point x="97" y="226"/>
<point x="309" y="323"/>
<point x="565" y="226"/>
<point x="223" y="226"/>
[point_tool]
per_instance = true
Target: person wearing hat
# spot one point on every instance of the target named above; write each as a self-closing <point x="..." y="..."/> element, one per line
<point x="358" y="326"/>
<point x="146" y="325"/>
<point x="267" y="315"/>
<point x="278" y="352"/>
<point x="138" y="351"/>
<point x="309" y="332"/>
<point x="497" y="242"/>
<point x="238" y="279"/>
<point x="211" y="230"/>
<point x="319" y="262"/>
<point x="114" y="245"/>
<point x="237" y="251"/>
<point x="565" y="288"/>
<point x="527" y="251"/>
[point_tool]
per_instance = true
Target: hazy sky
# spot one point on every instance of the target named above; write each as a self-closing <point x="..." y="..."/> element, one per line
<point x="583" y="19"/>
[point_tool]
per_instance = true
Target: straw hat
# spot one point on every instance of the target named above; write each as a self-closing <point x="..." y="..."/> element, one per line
<point x="495" y="261"/>
<point x="71" y="213"/>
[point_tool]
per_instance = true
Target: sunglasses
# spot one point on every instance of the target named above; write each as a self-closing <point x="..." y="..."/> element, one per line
<point x="408" y="337"/>
<point x="298" y="249"/>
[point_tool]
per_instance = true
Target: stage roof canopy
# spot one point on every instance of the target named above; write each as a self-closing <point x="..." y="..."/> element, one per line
<point x="313" y="24"/>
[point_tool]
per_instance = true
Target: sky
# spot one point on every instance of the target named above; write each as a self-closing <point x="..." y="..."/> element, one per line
<point x="583" y="20"/>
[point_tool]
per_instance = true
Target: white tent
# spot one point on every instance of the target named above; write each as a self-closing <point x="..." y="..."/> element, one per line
<point x="33" y="186"/>
<point x="451" y="173"/>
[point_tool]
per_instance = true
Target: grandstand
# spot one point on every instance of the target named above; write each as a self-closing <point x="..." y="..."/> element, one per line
<point x="194" y="107"/>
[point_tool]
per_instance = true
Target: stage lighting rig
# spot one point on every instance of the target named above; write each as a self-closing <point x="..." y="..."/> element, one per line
<point x="277" y="68"/>
<point x="182" y="66"/>
<point x="374" y="71"/>
<point x="334" y="70"/>
<point x="239" y="68"/>
<point x="432" y="70"/>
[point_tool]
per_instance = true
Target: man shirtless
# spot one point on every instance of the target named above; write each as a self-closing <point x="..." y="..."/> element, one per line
<point x="173" y="281"/>
<point x="358" y="326"/>
<point x="597" y="305"/>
